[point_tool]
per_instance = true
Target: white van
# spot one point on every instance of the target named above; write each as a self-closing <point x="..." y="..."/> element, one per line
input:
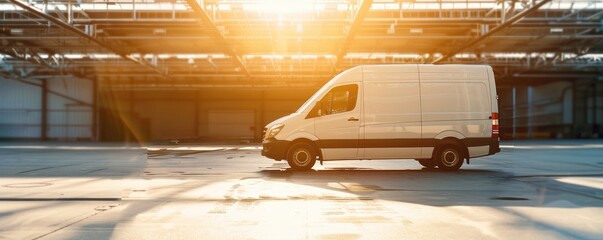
<point x="439" y="115"/>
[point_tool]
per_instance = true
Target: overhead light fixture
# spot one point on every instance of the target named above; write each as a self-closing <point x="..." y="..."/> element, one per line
<point x="224" y="7"/>
<point x="556" y="30"/>
<point x="159" y="31"/>
<point x="416" y="30"/>
<point x="16" y="31"/>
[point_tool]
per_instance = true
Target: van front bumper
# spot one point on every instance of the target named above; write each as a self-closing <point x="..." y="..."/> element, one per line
<point x="275" y="149"/>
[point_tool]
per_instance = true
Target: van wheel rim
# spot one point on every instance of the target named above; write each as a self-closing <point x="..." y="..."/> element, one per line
<point x="449" y="158"/>
<point x="301" y="157"/>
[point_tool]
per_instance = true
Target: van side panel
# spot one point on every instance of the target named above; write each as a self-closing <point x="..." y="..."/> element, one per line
<point x="392" y="119"/>
<point x="443" y="101"/>
<point x="455" y="101"/>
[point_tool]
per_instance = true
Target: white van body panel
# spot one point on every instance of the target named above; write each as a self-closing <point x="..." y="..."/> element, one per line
<point x="303" y="134"/>
<point x="455" y="100"/>
<point x="300" y="130"/>
<point x="401" y="112"/>
<point x="391" y="87"/>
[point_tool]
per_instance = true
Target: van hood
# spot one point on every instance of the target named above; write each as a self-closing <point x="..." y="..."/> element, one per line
<point x="280" y="120"/>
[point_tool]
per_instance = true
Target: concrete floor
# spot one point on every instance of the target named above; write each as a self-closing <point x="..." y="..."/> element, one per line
<point x="531" y="190"/>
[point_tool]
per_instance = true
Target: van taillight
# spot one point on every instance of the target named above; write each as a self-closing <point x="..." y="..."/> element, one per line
<point x="495" y="126"/>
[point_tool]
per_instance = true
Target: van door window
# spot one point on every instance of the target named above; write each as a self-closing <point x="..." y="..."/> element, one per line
<point x="339" y="99"/>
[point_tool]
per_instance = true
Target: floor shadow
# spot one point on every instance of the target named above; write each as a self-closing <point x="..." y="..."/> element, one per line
<point x="465" y="187"/>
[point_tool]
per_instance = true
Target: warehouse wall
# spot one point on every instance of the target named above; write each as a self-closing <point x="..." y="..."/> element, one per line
<point x="208" y="114"/>
<point x="592" y="113"/>
<point x="20" y="110"/>
<point x="68" y="104"/>
<point x="564" y="109"/>
<point x="69" y="120"/>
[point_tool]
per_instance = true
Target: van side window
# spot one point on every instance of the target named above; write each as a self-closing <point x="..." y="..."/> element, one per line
<point x="339" y="99"/>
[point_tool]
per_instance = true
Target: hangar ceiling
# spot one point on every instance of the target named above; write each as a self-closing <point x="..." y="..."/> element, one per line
<point x="271" y="43"/>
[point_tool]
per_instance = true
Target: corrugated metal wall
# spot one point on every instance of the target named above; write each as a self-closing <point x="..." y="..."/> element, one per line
<point x="67" y="119"/>
<point x="20" y="110"/>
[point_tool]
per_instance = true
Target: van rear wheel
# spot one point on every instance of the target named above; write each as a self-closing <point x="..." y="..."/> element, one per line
<point x="448" y="158"/>
<point x="428" y="163"/>
<point x="302" y="156"/>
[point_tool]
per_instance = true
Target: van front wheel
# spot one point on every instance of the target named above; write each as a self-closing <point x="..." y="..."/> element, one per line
<point x="448" y="158"/>
<point x="302" y="156"/>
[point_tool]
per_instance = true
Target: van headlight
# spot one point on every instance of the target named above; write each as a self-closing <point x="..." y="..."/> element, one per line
<point x="274" y="130"/>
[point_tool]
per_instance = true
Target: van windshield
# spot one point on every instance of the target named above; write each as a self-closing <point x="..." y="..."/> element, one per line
<point x="314" y="98"/>
<point x="318" y="94"/>
<point x="326" y="87"/>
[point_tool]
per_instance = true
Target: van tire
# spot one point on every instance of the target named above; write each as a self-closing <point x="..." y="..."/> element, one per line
<point x="427" y="162"/>
<point x="301" y="157"/>
<point x="448" y="158"/>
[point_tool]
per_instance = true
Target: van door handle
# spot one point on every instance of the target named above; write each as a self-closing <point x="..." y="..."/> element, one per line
<point x="352" y="119"/>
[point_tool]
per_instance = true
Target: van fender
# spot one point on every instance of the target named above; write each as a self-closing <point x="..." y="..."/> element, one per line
<point x="306" y="136"/>
<point x="299" y="135"/>
<point x="449" y="133"/>
<point x="453" y="137"/>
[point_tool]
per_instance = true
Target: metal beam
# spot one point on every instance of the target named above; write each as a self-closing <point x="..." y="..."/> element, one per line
<point x="525" y="73"/>
<point x="573" y="12"/>
<point x="38" y="13"/>
<point x="364" y="8"/>
<point x="11" y="48"/>
<point x="202" y="15"/>
<point x="498" y="28"/>
<point x="591" y="17"/>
